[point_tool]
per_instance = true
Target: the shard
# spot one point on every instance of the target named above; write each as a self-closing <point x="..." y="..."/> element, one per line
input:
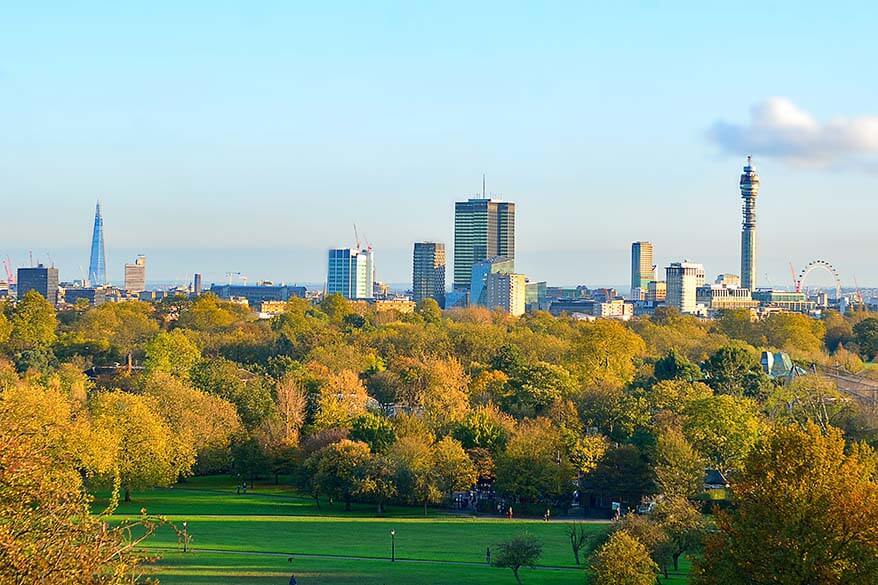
<point x="97" y="266"/>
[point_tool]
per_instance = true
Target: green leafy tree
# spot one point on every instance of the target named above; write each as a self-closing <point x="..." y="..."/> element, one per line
<point x="806" y="508"/>
<point x="246" y="390"/>
<point x="171" y="353"/>
<point x="340" y="469"/>
<point x="682" y="523"/>
<point x="674" y="366"/>
<point x="416" y="475"/>
<point x="429" y="310"/>
<point x="736" y="371"/>
<point x="866" y="334"/>
<point x="808" y="399"/>
<point x="33" y="323"/>
<point x="622" y="474"/>
<point x="679" y="468"/>
<point x="454" y="469"/>
<point x="519" y="551"/>
<point x="374" y="430"/>
<point x="722" y="428"/>
<point x="485" y="427"/>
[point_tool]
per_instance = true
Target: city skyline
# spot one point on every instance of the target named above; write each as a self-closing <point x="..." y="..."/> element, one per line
<point x="238" y="157"/>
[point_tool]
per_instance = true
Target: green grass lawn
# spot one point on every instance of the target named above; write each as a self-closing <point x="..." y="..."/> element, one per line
<point x="257" y="532"/>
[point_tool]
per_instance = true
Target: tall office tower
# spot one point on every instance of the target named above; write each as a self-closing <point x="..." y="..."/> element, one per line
<point x="749" y="191"/>
<point x="351" y="273"/>
<point x="196" y="284"/>
<point x="682" y="279"/>
<point x="479" y="277"/>
<point x="483" y="228"/>
<point x="43" y="279"/>
<point x="642" y="268"/>
<point x="507" y="292"/>
<point x="428" y="272"/>
<point x="135" y="275"/>
<point x="97" y="266"/>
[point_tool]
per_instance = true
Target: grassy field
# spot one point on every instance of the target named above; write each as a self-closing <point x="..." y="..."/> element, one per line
<point x="249" y="539"/>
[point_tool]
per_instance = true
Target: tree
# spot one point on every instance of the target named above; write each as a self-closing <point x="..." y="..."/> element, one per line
<point x="682" y="523"/>
<point x="623" y="474"/>
<point x="119" y="329"/>
<point x="416" y="476"/>
<point x="207" y="313"/>
<point x="807" y="398"/>
<point x="520" y="551"/>
<point x="33" y="323"/>
<point x="838" y="331"/>
<point x="806" y="511"/>
<point x="340" y="468"/>
<point x="378" y="480"/>
<point x="341" y="398"/>
<point x="292" y="404"/>
<point x="246" y="390"/>
<point x="722" y="428"/>
<point x="454" y="469"/>
<point x="172" y="353"/>
<point x="535" y="466"/>
<point x="674" y="366"/>
<point x="485" y="427"/>
<point x="736" y="371"/>
<point x="148" y="452"/>
<point x="578" y="536"/>
<point x="793" y="332"/>
<point x="651" y="535"/>
<point x="866" y="334"/>
<point x="375" y="430"/>
<point x="679" y="469"/>
<point x="604" y="352"/>
<point x="48" y="533"/>
<point x="199" y="421"/>
<point x="429" y="310"/>
<point x="622" y="560"/>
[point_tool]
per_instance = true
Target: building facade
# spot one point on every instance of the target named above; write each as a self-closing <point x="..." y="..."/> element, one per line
<point x="506" y="291"/>
<point x="749" y="190"/>
<point x="682" y="280"/>
<point x="97" y="265"/>
<point x="428" y="272"/>
<point x="351" y="273"/>
<point x="479" y="277"/>
<point x="96" y="295"/>
<point x="483" y="228"/>
<point x="642" y="269"/>
<point x="43" y="279"/>
<point x="135" y="276"/>
<point x="256" y="294"/>
<point x="656" y="291"/>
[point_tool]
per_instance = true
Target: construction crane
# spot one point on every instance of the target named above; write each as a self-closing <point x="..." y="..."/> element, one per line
<point x="229" y="276"/>
<point x="356" y="236"/>
<point x="10" y="276"/>
<point x="796" y="284"/>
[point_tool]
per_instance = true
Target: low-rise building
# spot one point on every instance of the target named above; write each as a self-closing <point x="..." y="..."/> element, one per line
<point x="784" y="300"/>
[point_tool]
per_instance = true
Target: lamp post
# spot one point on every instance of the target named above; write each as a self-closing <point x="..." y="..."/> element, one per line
<point x="393" y="546"/>
<point x="185" y="536"/>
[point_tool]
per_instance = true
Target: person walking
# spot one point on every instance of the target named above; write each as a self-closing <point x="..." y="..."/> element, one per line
<point x="488" y="555"/>
<point x="293" y="579"/>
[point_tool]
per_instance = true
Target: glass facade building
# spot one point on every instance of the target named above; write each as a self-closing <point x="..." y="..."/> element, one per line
<point x="351" y="273"/>
<point x="483" y="228"/>
<point x="428" y="272"/>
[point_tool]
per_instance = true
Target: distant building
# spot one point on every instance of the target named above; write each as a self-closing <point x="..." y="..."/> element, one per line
<point x="683" y="278"/>
<point x="749" y="190"/>
<point x="428" y="272"/>
<point x="613" y="309"/>
<point x="656" y="291"/>
<point x="135" y="276"/>
<point x="483" y="228"/>
<point x="97" y="266"/>
<point x="784" y="300"/>
<point x="479" y="277"/>
<point x="505" y="291"/>
<point x="718" y="297"/>
<point x="94" y="295"/>
<point x="642" y="268"/>
<point x="603" y="294"/>
<point x="572" y="307"/>
<point x="256" y="294"/>
<point x="196" y="284"/>
<point x="43" y="279"/>
<point x="351" y="273"/>
<point x="730" y="280"/>
<point x="535" y="297"/>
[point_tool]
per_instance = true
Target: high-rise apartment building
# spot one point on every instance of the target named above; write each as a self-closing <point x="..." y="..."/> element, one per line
<point x="135" y="276"/>
<point x="507" y="292"/>
<point x="97" y="266"/>
<point x="428" y="272"/>
<point x="479" y="277"/>
<point x="483" y="228"/>
<point x="196" y="284"/>
<point x="682" y="281"/>
<point x="749" y="190"/>
<point x="351" y="273"/>
<point x="642" y="268"/>
<point x="43" y="279"/>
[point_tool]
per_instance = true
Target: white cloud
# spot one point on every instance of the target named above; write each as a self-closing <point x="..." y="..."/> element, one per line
<point x="781" y="129"/>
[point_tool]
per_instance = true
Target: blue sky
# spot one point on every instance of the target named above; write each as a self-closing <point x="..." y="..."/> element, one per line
<point x="232" y="136"/>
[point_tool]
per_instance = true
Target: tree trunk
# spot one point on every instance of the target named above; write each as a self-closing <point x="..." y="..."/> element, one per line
<point x="347" y="504"/>
<point x="677" y="561"/>
<point x="515" y="572"/>
<point x="127" y="494"/>
<point x="425" y="508"/>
